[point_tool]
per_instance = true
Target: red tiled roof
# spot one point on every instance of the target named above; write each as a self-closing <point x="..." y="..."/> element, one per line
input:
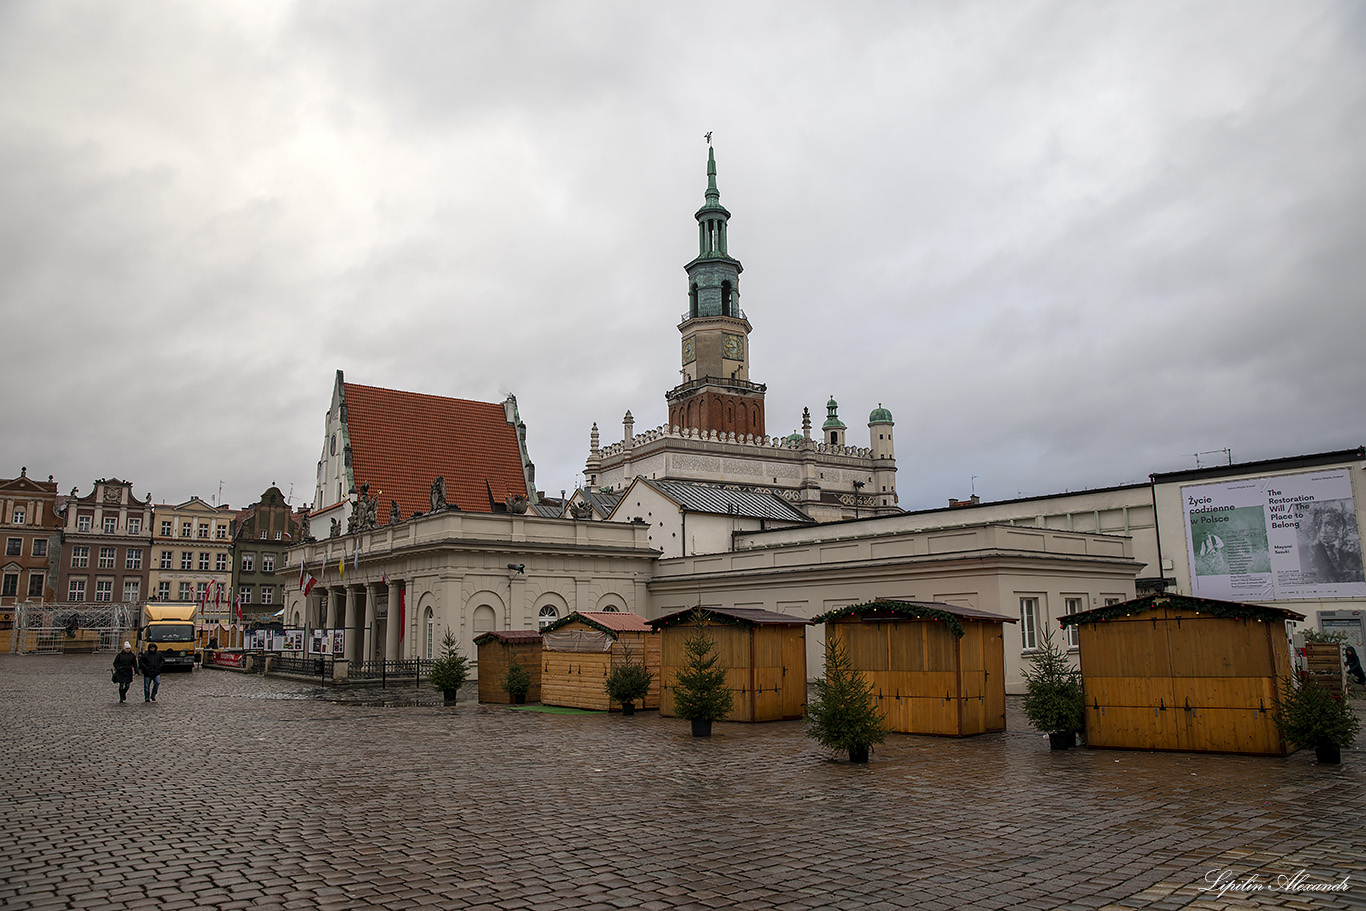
<point x="401" y="441"/>
<point x="616" y="621"/>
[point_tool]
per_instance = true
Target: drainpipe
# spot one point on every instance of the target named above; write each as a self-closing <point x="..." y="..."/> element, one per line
<point x="1157" y="527"/>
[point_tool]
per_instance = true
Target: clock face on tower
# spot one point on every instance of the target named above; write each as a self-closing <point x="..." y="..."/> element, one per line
<point x="689" y="349"/>
<point x="734" y="347"/>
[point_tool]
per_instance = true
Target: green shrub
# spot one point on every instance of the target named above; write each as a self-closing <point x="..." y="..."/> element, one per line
<point x="629" y="681"/>
<point x="451" y="669"/>
<point x="843" y="715"/>
<point x="1054" y="702"/>
<point x="1310" y="716"/>
<point x="699" y="688"/>
<point x="517" y="681"/>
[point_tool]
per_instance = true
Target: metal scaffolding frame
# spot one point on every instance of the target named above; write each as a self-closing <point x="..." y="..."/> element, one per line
<point x="50" y="628"/>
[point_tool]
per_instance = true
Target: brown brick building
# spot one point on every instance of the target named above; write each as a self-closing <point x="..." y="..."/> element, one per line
<point x="31" y="531"/>
<point x="106" y="545"/>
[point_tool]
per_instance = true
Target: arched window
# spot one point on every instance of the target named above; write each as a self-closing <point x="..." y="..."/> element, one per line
<point x="725" y="299"/>
<point x="547" y="616"/>
<point x="609" y="609"/>
<point x="692" y="300"/>
<point x="429" y="643"/>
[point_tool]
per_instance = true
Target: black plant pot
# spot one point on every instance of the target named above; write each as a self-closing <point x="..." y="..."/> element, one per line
<point x="1328" y="755"/>
<point x="1062" y="740"/>
<point x="628" y="708"/>
<point x="701" y="728"/>
<point x="448" y="697"/>
<point x="519" y="699"/>
<point x="859" y="754"/>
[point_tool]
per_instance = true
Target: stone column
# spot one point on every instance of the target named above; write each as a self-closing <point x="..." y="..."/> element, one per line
<point x="350" y="622"/>
<point x="335" y="602"/>
<point x="391" y="627"/>
<point x="371" y="608"/>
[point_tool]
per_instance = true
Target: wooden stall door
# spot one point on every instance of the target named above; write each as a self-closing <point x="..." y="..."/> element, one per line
<point x="1127" y="683"/>
<point x="993" y="678"/>
<point x="1223" y="673"/>
<point x="575" y="679"/>
<point x="766" y="643"/>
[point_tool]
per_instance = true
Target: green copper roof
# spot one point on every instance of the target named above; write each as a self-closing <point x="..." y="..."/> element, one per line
<point x="832" y="420"/>
<point x="795" y="437"/>
<point x="880" y="415"/>
<point x="713" y="203"/>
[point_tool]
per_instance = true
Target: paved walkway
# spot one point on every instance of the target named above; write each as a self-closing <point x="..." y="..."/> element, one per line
<point x="234" y="791"/>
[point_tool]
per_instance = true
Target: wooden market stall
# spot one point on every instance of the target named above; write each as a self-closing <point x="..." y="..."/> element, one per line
<point x="497" y="651"/>
<point x="764" y="653"/>
<point x="1173" y="672"/>
<point x="580" y="650"/>
<point x="935" y="668"/>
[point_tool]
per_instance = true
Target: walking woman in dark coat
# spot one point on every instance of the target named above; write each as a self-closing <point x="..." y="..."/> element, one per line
<point x="151" y="664"/>
<point x="125" y="662"/>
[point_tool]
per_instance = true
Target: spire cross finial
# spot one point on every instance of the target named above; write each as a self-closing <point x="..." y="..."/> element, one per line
<point x="708" y="134"/>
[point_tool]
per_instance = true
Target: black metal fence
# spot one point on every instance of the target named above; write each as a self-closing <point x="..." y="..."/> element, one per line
<point x="393" y="672"/>
<point x="396" y="672"/>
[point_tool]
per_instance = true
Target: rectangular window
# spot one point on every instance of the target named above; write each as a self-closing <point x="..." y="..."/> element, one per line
<point x="35" y="585"/>
<point x="18" y="517"/>
<point x="132" y="588"/>
<point x="204" y="560"/>
<point x="277" y="536"/>
<point x="186" y="528"/>
<point x="186" y="592"/>
<point x="76" y="590"/>
<point x="220" y="563"/>
<point x="107" y="555"/>
<point x="267" y="563"/>
<point x="165" y="560"/>
<point x="10" y="587"/>
<point x="134" y="526"/>
<point x="14" y="547"/>
<point x="83" y="523"/>
<point x="1073" y="606"/>
<point x="167" y="528"/>
<point x="163" y="591"/>
<point x="248" y="563"/>
<point x="267" y="594"/>
<point x="186" y="560"/>
<point x="104" y="589"/>
<point x="246" y="592"/>
<point x="40" y="547"/>
<point x="1029" y="617"/>
<point x="263" y="534"/>
<point x="1109" y="601"/>
<point x="134" y="560"/>
<point x="111" y="524"/>
<point x="203" y="530"/>
<point x="199" y="590"/>
<point x="220" y="532"/>
<point x="80" y="557"/>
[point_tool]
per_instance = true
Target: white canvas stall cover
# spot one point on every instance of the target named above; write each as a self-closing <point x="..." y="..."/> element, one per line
<point x="577" y="640"/>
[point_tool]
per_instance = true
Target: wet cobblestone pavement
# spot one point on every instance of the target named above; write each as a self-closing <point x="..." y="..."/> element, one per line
<point x="235" y="791"/>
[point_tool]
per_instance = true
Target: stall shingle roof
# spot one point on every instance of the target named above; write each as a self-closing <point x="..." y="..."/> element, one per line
<point x="744" y="616"/>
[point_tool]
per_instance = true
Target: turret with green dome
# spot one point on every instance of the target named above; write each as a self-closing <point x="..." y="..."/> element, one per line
<point x="880" y="415"/>
<point x="833" y="428"/>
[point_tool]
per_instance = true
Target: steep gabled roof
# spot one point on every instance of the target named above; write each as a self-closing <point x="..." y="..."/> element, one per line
<point x="401" y="441"/>
<point x="1209" y="607"/>
<point x="748" y="617"/>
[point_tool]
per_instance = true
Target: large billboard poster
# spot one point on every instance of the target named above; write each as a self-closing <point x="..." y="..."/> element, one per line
<point x="1275" y="538"/>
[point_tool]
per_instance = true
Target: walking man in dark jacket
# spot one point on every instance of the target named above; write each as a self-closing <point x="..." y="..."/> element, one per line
<point x="151" y="663"/>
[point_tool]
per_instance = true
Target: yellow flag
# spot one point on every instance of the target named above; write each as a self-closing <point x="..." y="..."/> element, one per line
<point x="341" y="564"/>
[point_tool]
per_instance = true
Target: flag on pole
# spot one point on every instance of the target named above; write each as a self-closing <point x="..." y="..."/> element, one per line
<point x="306" y="580"/>
<point x="341" y="562"/>
<point x="355" y="564"/>
<point x="385" y="578"/>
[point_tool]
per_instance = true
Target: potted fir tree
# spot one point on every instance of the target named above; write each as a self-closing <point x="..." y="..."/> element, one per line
<point x="450" y="670"/>
<point x="843" y="715"/>
<point x="1054" y="702"/>
<point x="516" y="682"/>
<point x="628" y="683"/>
<point x="700" y="693"/>
<point x="1311" y="716"/>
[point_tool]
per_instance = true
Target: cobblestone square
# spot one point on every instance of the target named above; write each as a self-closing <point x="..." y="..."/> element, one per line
<point x="237" y="791"/>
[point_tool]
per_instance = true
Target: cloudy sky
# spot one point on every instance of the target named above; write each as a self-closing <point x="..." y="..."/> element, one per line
<point x="1067" y="244"/>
